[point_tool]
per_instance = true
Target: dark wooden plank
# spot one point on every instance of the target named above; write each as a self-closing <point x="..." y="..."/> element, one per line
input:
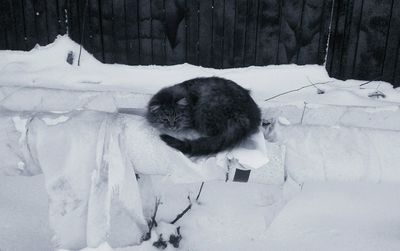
<point x="240" y="33"/>
<point x="18" y="13"/>
<point x="3" y="38"/>
<point x="372" y="39"/>
<point x="192" y="43"/>
<point x="251" y="33"/>
<point x="396" y="74"/>
<point x="229" y="34"/>
<point x="41" y="21"/>
<point x="326" y="17"/>
<point x="392" y="43"/>
<point x="337" y="38"/>
<point x="52" y="20"/>
<point x="132" y="32"/>
<point x="74" y="20"/>
<point x="218" y="33"/>
<point x="177" y="54"/>
<point x="350" y="38"/>
<point x="146" y="57"/>
<point x="270" y="17"/>
<point x="94" y="30"/>
<point x="205" y="32"/>
<point x="7" y="21"/>
<point x="310" y="32"/>
<point x="62" y="9"/>
<point x="158" y="31"/>
<point x="30" y="28"/>
<point x="119" y="32"/>
<point x="86" y="31"/>
<point x="291" y="33"/>
<point x="106" y="7"/>
<point x="5" y="10"/>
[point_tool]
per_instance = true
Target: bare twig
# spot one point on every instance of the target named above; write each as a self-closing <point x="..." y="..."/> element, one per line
<point x="298" y="89"/>
<point x="153" y="222"/>
<point x="189" y="206"/>
<point x="304" y="110"/>
<point x="375" y="79"/>
<point x="183" y="212"/>
<point x="201" y="188"/>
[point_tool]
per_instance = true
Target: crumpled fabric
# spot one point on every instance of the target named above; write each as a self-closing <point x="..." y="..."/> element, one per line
<point x="90" y="161"/>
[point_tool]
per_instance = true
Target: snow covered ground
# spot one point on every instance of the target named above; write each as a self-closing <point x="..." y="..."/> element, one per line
<point x="336" y="132"/>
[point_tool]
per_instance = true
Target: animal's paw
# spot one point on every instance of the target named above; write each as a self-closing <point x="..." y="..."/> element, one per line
<point x="175" y="143"/>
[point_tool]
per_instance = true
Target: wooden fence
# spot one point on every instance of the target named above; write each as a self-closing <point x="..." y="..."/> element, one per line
<point x="364" y="34"/>
<point x="365" y="40"/>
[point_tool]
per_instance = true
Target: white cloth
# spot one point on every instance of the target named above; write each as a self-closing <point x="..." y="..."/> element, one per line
<point x="89" y="160"/>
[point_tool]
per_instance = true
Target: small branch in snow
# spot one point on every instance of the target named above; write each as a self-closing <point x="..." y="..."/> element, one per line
<point x="319" y="91"/>
<point x="189" y="206"/>
<point x="298" y="89"/>
<point x="304" y="110"/>
<point x="183" y="212"/>
<point x="201" y="188"/>
<point x="153" y="222"/>
<point x="375" y="79"/>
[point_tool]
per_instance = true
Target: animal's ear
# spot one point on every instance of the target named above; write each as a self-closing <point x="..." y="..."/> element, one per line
<point x="154" y="108"/>
<point x="183" y="102"/>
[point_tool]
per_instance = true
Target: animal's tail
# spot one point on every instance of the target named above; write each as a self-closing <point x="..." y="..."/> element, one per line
<point x="234" y="134"/>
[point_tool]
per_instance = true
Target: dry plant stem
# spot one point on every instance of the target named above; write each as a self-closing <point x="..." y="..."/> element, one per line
<point x="153" y="221"/>
<point x="298" y="89"/>
<point x="189" y="206"/>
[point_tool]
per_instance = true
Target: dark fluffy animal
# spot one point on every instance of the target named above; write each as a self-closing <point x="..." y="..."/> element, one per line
<point x="219" y="109"/>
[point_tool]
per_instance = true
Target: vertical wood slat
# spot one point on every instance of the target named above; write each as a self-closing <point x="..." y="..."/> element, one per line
<point x="94" y="30"/>
<point x="39" y="7"/>
<point x="18" y="20"/>
<point x="119" y="32"/>
<point x="205" y="32"/>
<point x="291" y="37"/>
<point x="338" y="41"/>
<point x="7" y="22"/>
<point x="229" y="34"/>
<point x="158" y="34"/>
<point x="310" y="32"/>
<point x="145" y="29"/>
<point x="240" y="33"/>
<point x="251" y="33"/>
<point x="345" y="60"/>
<point x="175" y="53"/>
<point x="132" y="31"/>
<point x="392" y="48"/>
<point x="324" y="32"/>
<point x="269" y="30"/>
<point x="52" y="20"/>
<point x="372" y="39"/>
<point x="192" y="43"/>
<point x="106" y="9"/>
<point x="73" y="17"/>
<point x="29" y="20"/>
<point x="5" y="7"/>
<point x="218" y="33"/>
<point x="61" y="14"/>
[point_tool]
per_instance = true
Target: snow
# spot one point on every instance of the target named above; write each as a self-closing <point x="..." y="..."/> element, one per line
<point x="24" y="214"/>
<point x="339" y="216"/>
<point x="59" y="119"/>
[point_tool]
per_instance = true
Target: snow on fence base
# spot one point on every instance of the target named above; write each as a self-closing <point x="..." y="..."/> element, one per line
<point x="89" y="160"/>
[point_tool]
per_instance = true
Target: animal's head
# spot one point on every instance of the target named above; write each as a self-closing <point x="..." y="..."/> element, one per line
<point x="168" y="110"/>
